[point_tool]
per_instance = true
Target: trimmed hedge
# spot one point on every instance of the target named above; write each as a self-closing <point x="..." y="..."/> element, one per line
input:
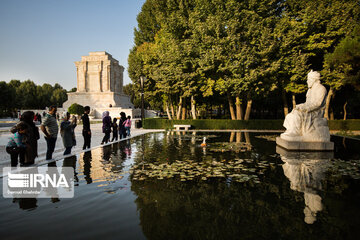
<point x="255" y="124"/>
<point x="344" y="125"/>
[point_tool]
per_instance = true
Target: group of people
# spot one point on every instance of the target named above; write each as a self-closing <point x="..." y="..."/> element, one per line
<point x="22" y="144"/>
<point x="122" y="129"/>
<point x="37" y="117"/>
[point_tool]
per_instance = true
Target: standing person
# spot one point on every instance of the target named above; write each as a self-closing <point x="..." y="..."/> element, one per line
<point x="106" y="128"/>
<point x="86" y="132"/>
<point x="127" y="125"/>
<point x="16" y="146"/>
<point x="115" y="130"/>
<point x="67" y="132"/>
<point x="122" y="130"/>
<point x="39" y="117"/>
<point x="32" y="136"/>
<point x="50" y="128"/>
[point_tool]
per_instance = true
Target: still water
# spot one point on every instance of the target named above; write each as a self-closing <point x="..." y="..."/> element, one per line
<point x="168" y="186"/>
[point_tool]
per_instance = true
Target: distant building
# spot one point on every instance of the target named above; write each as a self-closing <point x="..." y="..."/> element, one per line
<point x="100" y="85"/>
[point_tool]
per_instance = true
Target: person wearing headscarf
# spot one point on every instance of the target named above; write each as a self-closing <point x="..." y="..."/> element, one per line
<point x="67" y="132"/>
<point x="122" y="130"/>
<point x="106" y="128"/>
<point x="31" y="137"/>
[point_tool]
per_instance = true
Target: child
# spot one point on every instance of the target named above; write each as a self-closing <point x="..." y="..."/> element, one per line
<point x="115" y="130"/>
<point x="16" y="146"/>
<point x="127" y="125"/>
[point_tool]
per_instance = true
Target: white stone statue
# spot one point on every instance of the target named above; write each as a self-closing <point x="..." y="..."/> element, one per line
<point x="306" y="122"/>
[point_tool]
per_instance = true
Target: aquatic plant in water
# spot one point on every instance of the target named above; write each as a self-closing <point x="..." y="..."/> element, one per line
<point x="237" y="170"/>
<point x="230" y="146"/>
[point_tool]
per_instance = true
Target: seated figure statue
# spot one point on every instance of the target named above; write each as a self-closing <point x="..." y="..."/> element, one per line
<point x="306" y="122"/>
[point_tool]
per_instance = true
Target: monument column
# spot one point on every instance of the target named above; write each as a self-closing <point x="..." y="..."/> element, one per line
<point x="81" y="76"/>
<point x="85" y="65"/>
<point x="108" y="77"/>
<point x="114" y="83"/>
<point x="100" y="73"/>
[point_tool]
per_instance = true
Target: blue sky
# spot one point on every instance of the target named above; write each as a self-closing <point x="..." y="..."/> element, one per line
<point x="41" y="39"/>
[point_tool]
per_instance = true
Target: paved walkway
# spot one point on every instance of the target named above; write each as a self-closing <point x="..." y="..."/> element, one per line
<point x="96" y="138"/>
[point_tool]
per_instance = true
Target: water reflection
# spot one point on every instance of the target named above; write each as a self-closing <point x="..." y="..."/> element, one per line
<point x="306" y="171"/>
<point x="104" y="164"/>
<point x="26" y="203"/>
<point x="239" y="139"/>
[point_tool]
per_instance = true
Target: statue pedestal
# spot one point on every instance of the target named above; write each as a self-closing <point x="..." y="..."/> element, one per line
<point x="305" y="146"/>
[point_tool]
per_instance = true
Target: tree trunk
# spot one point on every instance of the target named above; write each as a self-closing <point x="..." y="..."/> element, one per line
<point x="232" y="112"/>
<point x="332" y="115"/>
<point x="286" y="108"/>
<point x="183" y="115"/>
<point x="239" y="114"/>
<point x="293" y="101"/>
<point x="248" y="107"/>
<point x="172" y="108"/>
<point x="178" y="114"/>
<point x="167" y="110"/>
<point x="193" y="107"/>
<point x="241" y="111"/>
<point x="345" y="110"/>
<point x="328" y="98"/>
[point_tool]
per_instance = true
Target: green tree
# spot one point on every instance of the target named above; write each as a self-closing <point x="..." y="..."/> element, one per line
<point x="7" y="94"/>
<point x="342" y="67"/>
<point x="76" y="109"/>
<point x="44" y="94"/>
<point x="26" y="93"/>
<point x="58" y="96"/>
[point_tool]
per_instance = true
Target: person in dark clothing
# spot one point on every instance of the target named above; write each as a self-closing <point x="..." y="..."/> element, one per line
<point x="115" y="130"/>
<point x="38" y="117"/>
<point x="122" y="130"/>
<point x="16" y="146"/>
<point x="106" y="128"/>
<point x="86" y="128"/>
<point x="31" y="137"/>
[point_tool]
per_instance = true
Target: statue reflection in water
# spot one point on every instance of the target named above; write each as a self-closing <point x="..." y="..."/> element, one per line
<point x="305" y="171"/>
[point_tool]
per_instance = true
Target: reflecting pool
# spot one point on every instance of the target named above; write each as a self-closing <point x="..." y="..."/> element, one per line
<point x="199" y="185"/>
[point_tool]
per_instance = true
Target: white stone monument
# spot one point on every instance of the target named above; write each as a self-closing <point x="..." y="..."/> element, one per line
<point x="306" y="127"/>
<point x="100" y="85"/>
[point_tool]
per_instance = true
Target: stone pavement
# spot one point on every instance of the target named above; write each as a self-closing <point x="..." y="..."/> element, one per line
<point x="96" y="138"/>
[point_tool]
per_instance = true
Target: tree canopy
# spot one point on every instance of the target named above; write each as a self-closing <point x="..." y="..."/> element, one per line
<point x="197" y="54"/>
<point x="28" y="95"/>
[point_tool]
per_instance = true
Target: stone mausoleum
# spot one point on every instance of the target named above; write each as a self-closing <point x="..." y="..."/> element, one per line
<point x="100" y="86"/>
